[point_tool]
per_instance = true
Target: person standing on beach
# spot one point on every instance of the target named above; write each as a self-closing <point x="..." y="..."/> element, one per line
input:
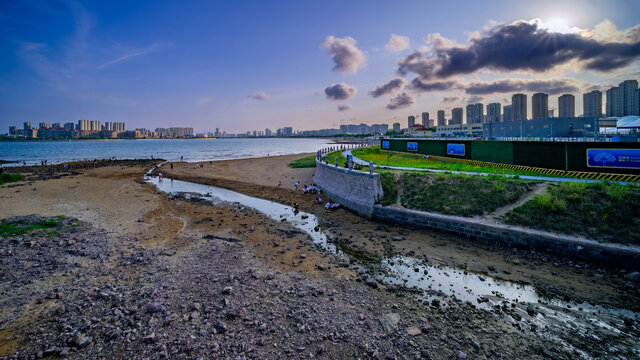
<point x="279" y="184"/>
<point x="296" y="184"/>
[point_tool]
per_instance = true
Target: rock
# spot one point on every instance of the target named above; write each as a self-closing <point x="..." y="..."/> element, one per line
<point x="530" y="310"/>
<point x="321" y="267"/>
<point x="634" y="276"/>
<point x="220" y="327"/>
<point x="413" y="331"/>
<point x="516" y="262"/>
<point x="227" y="290"/>
<point x="389" y="322"/>
<point x="396" y="238"/>
<point x="303" y="255"/>
<point x="371" y="282"/>
<point x="461" y="355"/>
<point x="270" y="276"/>
<point x="154" y="308"/>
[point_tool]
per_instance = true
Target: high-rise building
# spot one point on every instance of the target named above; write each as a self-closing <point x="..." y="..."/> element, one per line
<point x="57" y="125"/>
<point x="493" y="112"/>
<point x="26" y="125"/>
<point x="425" y="120"/>
<point x="592" y="104"/>
<point x="540" y="106"/>
<point x="396" y="127"/>
<point x="630" y="100"/>
<point x="456" y="116"/>
<point x="287" y="131"/>
<point x="44" y="125"/>
<point x="412" y="120"/>
<point x="69" y="126"/>
<point x="615" y="105"/>
<point x="567" y="106"/>
<point x="441" y="119"/>
<point x="623" y="100"/>
<point x="519" y="107"/>
<point x="267" y="132"/>
<point x="475" y="113"/>
<point x="508" y="113"/>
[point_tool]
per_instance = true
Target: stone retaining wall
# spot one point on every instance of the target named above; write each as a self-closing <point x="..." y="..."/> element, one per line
<point x="506" y="235"/>
<point x="356" y="190"/>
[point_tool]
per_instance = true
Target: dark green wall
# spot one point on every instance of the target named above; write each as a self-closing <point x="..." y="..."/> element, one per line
<point x="570" y="156"/>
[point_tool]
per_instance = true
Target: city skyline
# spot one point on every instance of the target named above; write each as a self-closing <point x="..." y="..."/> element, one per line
<point x="236" y="67"/>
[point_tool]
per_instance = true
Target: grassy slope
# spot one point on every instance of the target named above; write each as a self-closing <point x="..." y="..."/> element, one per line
<point x="390" y="158"/>
<point x="602" y="211"/>
<point x="460" y="194"/>
<point x="305" y="162"/>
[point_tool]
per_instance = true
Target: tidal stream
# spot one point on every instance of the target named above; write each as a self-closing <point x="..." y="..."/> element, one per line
<point x="563" y="323"/>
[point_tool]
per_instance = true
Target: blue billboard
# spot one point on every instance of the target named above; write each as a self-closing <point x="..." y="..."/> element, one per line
<point x="455" y="149"/>
<point x="412" y="146"/>
<point x="385" y="144"/>
<point x="614" y="158"/>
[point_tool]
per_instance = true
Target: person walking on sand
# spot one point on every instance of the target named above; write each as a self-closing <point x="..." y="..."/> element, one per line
<point x="160" y="176"/>
<point x="171" y="166"/>
<point x="296" y="184"/>
<point x="279" y="184"/>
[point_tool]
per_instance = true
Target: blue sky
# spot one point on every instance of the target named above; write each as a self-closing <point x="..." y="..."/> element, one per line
<point x="251" y="65"/>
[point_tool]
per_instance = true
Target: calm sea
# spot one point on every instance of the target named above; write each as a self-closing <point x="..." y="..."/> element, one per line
<point x="192" y="149"/>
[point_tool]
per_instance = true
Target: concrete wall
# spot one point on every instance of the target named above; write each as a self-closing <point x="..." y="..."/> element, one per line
<point x="506" y="235"/>
<point x="356" y="190"/>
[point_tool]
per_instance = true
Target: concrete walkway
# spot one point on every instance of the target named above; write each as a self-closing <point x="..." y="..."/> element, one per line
<point x="526" y="177"/>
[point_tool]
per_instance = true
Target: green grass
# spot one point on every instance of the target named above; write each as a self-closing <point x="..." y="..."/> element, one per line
<point x="390" y="158"/>
<point x="21" y="227"/>
<point x="7" y="178"/>
<point x="305" y="162"/>
<point x="460" y="195"/>
<point x="602" y="211"/>
<point x="389" y="188"/>
<point x="342" y="161"/>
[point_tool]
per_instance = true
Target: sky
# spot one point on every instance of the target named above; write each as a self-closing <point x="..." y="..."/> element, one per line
<point x="251" y="65"/>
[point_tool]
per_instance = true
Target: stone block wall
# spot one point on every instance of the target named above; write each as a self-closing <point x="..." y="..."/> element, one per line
<point x="356" y="190"/>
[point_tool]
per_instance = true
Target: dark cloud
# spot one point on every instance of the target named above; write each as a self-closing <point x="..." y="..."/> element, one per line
<point x="420" y="86"/>
<point x="551" y="87"/>
<point x="401" y="101"/>
<point x="450" y="99"/>
<point x="260" y="95"/>
<point x="522" y="45"/>
<point x="344" y="107"/>
<point x="344" y="52"/>
<point x="394" y="85"/>
<point x="473" y="99"/>
<point x="340" y="91"/>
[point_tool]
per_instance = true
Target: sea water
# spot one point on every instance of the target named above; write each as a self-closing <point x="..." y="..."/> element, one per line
<point x="192" y="150"/>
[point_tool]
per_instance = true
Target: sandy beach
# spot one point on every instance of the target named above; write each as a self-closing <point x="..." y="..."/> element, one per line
<point x="152" y="275"/>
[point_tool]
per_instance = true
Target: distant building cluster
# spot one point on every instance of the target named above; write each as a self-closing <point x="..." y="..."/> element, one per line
<point x="94" y="129"/>
<point x="621" y="100"/>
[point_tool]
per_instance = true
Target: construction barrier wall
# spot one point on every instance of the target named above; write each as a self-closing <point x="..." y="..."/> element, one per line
<point x="565" y="156"/>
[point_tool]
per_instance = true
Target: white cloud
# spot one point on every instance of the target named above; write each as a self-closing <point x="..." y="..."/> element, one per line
<point x="397" y="43"/>
<point x="346" y="55"/>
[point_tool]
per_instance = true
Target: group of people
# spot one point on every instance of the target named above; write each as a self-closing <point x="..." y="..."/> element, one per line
<point x="313" y="189"/>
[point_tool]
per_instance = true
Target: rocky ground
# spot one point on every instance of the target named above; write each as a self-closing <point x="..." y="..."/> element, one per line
<point x="167" y="277"/>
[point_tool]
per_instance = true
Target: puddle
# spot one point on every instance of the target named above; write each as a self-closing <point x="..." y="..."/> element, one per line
<point x="565" y="324"/>
<point x="458" y="283"/>
<point x="279" y="212"/>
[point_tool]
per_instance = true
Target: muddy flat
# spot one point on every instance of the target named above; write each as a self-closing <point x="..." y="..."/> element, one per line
<point x="146" y="274"/>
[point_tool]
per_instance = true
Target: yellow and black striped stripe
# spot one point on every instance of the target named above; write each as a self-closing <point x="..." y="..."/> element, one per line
<point x="576" y="174"/>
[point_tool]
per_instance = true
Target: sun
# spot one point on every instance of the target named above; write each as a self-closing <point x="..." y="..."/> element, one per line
<point x="558" y="25"/>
